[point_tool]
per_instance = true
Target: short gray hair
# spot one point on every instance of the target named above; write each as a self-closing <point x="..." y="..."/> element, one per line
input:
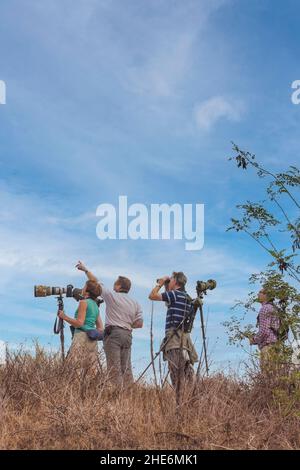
<point x="180" y="278"/>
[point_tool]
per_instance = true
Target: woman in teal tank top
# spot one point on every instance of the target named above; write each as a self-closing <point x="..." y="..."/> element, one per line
<point x="86" y="318"/>
<point x="91" y="309"/>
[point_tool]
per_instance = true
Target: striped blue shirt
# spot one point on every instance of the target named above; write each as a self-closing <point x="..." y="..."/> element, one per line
<point x="178" y="305"/>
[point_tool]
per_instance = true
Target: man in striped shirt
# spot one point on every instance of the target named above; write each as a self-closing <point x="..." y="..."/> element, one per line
<point x="179" y="350"/>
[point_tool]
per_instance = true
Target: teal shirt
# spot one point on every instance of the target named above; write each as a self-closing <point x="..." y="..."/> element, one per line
<point x="91" y="315"/>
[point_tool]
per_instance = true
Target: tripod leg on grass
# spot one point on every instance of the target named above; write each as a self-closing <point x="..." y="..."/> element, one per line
<point x="62" y="343"/>
<point x="204" y="338"/>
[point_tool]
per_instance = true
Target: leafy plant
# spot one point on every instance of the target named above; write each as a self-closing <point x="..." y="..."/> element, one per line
<point x="271" y="223"/>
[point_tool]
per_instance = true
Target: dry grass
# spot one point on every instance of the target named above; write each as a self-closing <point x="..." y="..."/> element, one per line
<point x="47" y="406"/>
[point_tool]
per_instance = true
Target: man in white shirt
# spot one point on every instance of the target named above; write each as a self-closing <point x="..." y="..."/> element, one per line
<point x="122" y="315"/>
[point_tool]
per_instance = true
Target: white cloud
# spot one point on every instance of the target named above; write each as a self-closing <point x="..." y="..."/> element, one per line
<point x="167" y="50"/>
<point x="78" y="221"/>
<point x="209" y="112"/>
<point x="140" y="62"/>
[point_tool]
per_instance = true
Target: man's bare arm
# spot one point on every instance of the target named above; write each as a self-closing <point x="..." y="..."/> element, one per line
<point x="154" y="294"/>
<point x="81" y="267"/>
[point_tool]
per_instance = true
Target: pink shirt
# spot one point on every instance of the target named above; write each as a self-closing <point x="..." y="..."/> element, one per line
<point x="268" y="326"/>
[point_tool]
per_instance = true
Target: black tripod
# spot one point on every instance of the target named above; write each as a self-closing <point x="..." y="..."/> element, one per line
<point x="198" y="303"/>
<point x="59" y="326"/>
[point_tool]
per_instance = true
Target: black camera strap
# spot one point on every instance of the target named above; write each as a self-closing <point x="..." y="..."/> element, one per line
<point x="59" y="325"/>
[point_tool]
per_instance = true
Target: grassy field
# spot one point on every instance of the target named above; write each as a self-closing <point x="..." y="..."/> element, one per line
<point x="45" y="405"/>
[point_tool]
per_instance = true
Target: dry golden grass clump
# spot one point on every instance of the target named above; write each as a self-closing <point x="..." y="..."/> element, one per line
<point x="47" y="405"/>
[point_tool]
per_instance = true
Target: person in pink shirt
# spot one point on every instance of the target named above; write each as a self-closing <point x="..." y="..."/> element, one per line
<point x="268" y="323"/>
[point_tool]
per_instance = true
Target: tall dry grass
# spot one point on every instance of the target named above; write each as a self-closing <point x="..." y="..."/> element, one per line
<point x="45" y="405"/>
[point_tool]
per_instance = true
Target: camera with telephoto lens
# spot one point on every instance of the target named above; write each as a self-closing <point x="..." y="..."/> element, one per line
<point x="69" y="291"/>
<point x="203" y="286"/>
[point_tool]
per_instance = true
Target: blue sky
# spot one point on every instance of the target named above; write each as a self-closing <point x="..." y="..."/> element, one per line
<point x="110" y="97"/>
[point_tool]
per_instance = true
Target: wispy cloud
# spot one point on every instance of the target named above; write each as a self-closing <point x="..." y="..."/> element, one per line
<point x="209" y="112"/>
<point x="162" y="74"/>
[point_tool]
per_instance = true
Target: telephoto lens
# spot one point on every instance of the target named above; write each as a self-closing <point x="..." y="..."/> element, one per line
<point x="203" y="286"/>
<point x="45" y="291"/>
<point x="69" y="291"/>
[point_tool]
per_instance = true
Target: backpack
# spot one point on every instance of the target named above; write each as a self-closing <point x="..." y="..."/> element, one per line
<point x="189" y="316"/>
<point x="282" y="332"/>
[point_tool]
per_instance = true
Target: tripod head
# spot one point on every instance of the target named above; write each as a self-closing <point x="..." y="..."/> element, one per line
<point x="60" y="302"/>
